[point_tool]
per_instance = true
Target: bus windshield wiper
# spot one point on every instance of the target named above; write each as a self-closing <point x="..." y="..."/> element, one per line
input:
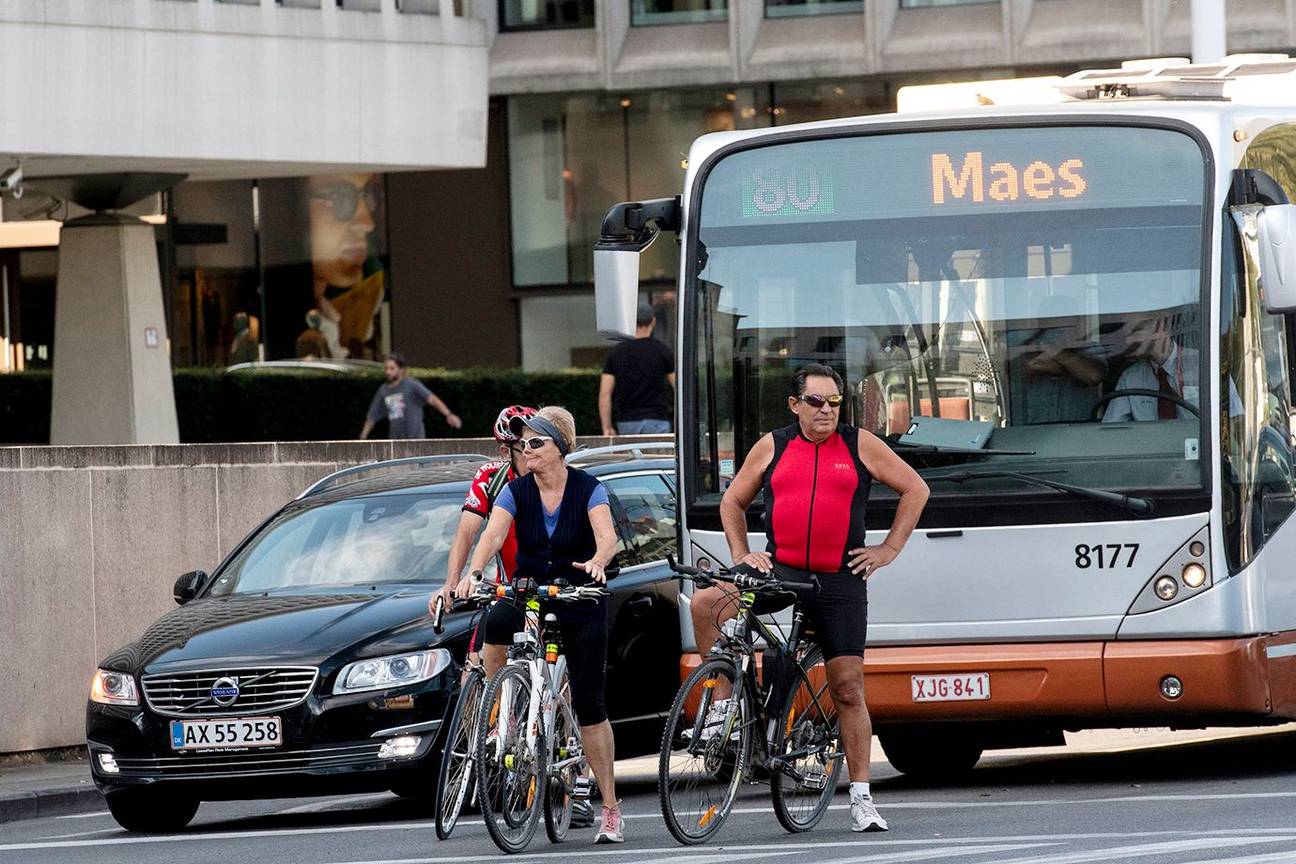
<point x="925" y="449"/>
<point x="1131" y="503"/>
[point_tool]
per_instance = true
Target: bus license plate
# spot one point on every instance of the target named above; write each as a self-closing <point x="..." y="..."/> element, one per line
<point x="951" y="688"/>
<point x="224" y="734"/>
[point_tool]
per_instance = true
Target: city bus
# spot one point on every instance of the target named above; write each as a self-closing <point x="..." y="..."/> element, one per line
<point x="1065" y="305"/>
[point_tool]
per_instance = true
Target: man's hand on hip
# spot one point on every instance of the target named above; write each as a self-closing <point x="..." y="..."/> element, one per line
<point x="867" y="559"/>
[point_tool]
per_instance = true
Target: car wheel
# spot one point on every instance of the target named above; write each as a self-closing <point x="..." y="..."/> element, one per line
<point x="147" y="811"/>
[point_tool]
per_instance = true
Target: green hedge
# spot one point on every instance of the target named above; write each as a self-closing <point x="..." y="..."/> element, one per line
<point x="293" y="406"/>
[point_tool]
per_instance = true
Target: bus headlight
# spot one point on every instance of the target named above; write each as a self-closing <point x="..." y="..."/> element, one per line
<point x="1194" y="575"/>
<point x="1166" y="587"/>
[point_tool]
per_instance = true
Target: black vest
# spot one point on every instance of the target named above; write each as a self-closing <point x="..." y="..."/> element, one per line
<point x="546" y="558"/>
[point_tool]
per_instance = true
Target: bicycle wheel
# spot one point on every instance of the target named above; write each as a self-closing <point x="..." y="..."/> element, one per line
<point x="456" y="775"/>
<point x="807" y="754"/>
<point x="704" y="754"/>
<point x="565" y="764"/>
<point x="510" y="770"/>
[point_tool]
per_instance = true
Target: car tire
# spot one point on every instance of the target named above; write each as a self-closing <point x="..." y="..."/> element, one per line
<point x="147" y="811"/>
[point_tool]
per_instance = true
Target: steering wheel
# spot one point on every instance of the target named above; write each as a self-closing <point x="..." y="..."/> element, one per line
<point x="1141" y="391"/>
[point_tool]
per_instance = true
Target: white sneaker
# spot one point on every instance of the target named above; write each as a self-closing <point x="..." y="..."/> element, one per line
<point x="865" y="817"/>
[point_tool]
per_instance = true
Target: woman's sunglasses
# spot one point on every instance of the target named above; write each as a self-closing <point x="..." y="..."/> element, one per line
<point x="816" y="401"/>
<point x="345" y="199"/>
<point x="533" y="443"/>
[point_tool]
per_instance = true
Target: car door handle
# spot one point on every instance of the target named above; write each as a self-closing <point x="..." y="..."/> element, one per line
<point x="640" y="602"/>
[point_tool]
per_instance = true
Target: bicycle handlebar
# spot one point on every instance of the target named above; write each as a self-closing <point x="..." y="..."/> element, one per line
<point x="746" y="581"/>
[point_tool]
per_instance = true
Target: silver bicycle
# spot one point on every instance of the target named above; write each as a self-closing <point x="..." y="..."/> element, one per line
<point x="529" y="754"/>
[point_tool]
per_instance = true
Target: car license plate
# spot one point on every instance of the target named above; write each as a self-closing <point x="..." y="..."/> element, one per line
<point x="224" y="734"/>
<point x="951" y="688"/>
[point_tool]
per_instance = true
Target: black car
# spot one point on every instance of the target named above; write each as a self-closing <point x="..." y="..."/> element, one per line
<point x="306" y="664"/>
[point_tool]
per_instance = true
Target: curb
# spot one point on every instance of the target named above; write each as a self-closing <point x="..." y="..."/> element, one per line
<point x="64" y="801"/>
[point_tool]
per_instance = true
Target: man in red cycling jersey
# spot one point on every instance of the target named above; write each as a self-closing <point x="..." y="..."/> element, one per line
<point x="816" y="475"/>
<point x="487" y="483"/>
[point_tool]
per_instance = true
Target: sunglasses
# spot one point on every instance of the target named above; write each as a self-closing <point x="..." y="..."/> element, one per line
<point x="816" y="401"/>
<point x="345" y="199"/>
<point x="535" y="443"/>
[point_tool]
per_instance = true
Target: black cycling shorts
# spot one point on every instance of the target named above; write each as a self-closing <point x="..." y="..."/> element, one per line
<point x="584" y="644"/>
<point x="836" y="617"/>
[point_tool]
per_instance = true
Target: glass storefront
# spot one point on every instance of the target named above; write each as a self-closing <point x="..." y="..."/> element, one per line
<point x="318" y="244"/>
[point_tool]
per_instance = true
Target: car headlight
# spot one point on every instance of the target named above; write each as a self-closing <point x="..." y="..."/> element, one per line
<point x="113" y="688"/>
<point x="384" y="673"/>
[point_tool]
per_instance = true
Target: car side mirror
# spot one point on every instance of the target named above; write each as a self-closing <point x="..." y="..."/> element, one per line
<point x="187" y="586"/>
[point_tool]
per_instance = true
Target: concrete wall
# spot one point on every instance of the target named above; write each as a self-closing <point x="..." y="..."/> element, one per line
<point x="250" y="89"/>
<point x="93" y="538"/>
<point x="882" y="40"/>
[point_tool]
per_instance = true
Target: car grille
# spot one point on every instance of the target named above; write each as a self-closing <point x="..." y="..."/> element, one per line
<point x="251" y="762"/>
<point x="261" y="690"/>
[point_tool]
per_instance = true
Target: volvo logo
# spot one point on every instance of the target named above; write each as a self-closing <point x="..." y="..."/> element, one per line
<point x="225" y="691"/>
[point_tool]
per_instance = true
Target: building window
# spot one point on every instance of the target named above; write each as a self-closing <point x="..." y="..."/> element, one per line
<point x="647" y="12"/>
<point x="573" y="157"/>
<point x="794" y="8"/>
<point x="545" y="14"/>
<point x="921" y="4"/>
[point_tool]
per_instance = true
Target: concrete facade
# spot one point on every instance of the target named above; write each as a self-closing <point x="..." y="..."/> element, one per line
<point x="241" y="89"/>
<point x="952" y="42"/>
<point x="94" y="538"/>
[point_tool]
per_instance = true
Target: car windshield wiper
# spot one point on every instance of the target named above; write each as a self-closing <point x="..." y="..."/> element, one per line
<point x="1130" y="503"/>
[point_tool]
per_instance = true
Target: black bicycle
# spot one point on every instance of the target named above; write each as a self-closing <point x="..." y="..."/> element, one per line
<point x="457" y="777"/>
<point x="725" y="724"/>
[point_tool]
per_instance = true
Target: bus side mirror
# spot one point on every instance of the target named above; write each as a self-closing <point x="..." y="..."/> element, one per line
<point x="628" y="229"/>
<point x="1276" y="227"/>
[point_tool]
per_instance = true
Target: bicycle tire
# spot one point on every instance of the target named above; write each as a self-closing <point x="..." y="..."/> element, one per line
<point x="719" y="766"/>
<point x="558" y="801"/>
<point x="799" y="805"/>
<point x="510" y="797"/>
<point x="456" y="776"/>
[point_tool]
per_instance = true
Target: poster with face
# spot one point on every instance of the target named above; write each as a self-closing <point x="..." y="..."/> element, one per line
<point x="325" y="245"/>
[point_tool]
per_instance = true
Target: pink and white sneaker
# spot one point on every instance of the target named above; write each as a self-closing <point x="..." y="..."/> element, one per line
<point x="610" y="829"/>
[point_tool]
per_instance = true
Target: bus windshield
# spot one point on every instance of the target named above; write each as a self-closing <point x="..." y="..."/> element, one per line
<point x="999" y="301"/>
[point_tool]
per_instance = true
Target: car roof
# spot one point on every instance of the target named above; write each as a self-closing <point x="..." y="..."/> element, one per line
<point x="451" y="473"/>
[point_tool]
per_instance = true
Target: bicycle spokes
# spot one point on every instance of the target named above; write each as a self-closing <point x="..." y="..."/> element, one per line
<point x="705" y="749"/>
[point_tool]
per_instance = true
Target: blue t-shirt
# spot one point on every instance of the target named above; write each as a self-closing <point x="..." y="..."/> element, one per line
<point x="506" y="502"/>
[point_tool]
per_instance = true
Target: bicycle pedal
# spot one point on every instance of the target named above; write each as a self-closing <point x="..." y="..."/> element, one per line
<point x="815" y="780"/>
<point x="583" y="789"/>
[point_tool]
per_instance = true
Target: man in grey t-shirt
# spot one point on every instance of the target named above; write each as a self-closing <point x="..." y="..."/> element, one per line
<point x="401" y="401"/>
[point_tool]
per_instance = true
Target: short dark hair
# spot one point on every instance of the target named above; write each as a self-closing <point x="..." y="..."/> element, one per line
<point x="645" y="314"/>
<point x="799" y="379"/>
<point x="398" y="359"/>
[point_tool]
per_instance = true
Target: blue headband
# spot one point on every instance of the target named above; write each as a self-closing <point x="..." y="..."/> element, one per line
<point x="549" y="430"/>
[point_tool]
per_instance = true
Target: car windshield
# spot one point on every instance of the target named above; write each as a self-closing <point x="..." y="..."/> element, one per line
<point x="1026" y="292"/>
<point x="393" y="539"/>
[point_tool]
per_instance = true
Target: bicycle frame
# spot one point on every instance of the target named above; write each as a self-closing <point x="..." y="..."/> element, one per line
<point x="546" y="674"/>
<point x="741" y="648"/>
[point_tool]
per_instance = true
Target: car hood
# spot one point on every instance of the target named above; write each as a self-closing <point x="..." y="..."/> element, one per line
<point x="305" y="628"/>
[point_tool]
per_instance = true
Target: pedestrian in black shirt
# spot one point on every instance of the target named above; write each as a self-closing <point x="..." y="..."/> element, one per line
<point x="633" y="388"/>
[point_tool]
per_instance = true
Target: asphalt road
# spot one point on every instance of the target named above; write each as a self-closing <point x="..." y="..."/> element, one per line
<point x="1230" y="801"/>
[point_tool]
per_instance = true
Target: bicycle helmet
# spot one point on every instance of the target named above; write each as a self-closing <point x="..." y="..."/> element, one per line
<point x="503" y="431"/>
